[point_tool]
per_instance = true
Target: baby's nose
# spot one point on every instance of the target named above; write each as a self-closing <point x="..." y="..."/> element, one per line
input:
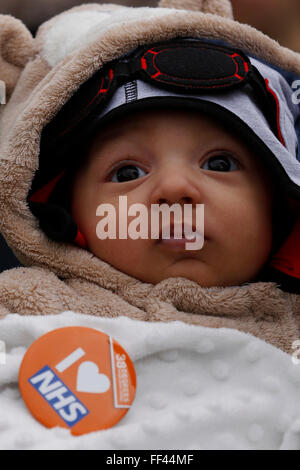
<point x="176" y="186"/>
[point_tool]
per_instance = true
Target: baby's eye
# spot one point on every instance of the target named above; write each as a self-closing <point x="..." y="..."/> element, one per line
<point x="221" y="163"/>
<point x="127" y="173"/>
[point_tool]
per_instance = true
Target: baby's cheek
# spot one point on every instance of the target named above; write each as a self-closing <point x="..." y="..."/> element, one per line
<point x="244" y="223"/>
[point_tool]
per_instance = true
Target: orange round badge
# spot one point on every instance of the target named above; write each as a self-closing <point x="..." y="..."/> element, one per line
<point x="78" y="378"/>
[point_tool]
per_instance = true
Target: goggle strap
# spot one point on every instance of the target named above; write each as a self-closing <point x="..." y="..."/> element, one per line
<point x="267" y="101"/>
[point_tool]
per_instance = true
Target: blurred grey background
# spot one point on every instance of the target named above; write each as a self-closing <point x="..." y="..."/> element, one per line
<point x="280" y="19"/>
<point x="35" y="12"/>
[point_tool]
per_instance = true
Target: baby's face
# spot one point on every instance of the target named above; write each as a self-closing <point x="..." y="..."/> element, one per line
<point x="178" y="157"/>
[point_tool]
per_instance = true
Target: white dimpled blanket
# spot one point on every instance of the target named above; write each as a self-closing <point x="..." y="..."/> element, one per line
<point x="197" y="388"/>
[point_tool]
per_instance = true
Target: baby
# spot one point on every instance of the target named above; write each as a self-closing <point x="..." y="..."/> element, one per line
<point x="155" y="147"/>
<point x="178" y="156"/>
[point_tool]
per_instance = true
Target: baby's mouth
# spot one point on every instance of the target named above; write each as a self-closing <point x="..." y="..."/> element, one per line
<point x="191" y="236"/>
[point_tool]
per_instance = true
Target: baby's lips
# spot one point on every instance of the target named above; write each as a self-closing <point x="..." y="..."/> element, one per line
<point x="183" y="229"/>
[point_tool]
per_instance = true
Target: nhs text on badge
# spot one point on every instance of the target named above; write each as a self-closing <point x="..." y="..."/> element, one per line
<point x="58" y="396"/>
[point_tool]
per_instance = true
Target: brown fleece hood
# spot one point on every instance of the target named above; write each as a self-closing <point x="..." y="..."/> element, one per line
<point x="41" y="74"/>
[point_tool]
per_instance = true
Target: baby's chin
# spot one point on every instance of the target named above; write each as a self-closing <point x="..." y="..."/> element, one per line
<point x="154" y="269"/>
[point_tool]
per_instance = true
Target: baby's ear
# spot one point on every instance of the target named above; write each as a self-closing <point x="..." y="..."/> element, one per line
<point x="216" y="7"/>
<point x="16" y="48"/>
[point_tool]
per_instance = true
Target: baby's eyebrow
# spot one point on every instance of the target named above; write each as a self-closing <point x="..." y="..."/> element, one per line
<point x="117" y="131"/>
<point x="113" y="139"/>
<point x="109" y="134"/>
